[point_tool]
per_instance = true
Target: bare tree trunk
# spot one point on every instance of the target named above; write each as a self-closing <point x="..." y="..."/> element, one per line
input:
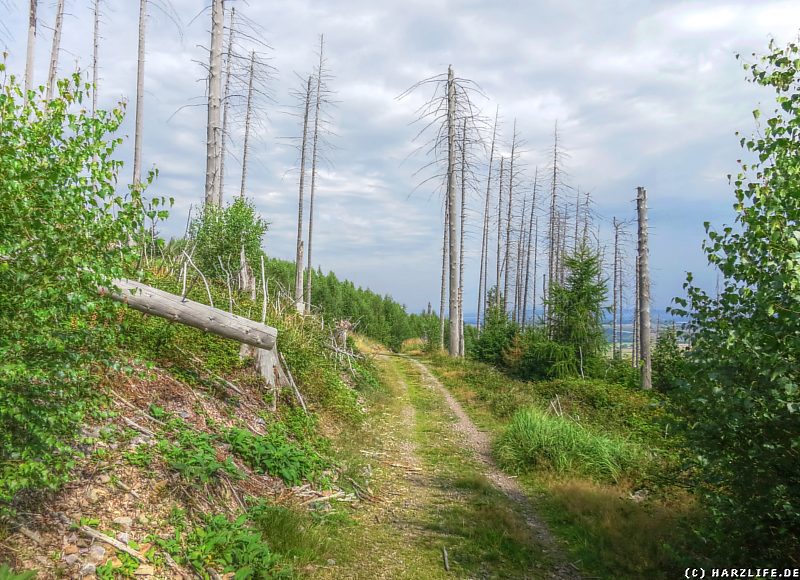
<point x="451" y="195"/>
<point x="635" y="341"/>
<point x="508" y="219"/>
<point x="444" y="271"/>
<point x="225" y="105"/>
<point x="51" y="77"/>
<point x="139" y="122"/>
<point x="461" y="239"/>
<point x="247" y="120"/>
<point x="318" y="101"/>
<point x="29" y="58"/>
<point x="551" y="233"/>
<point x="298" y="280"/>
<point x="535" y="254"/>
<point x="485" y="237"/>
<point x="518" y="270"/>
<point x="528" y="250"/>
<point x="214" y="128"/>
<point x="498" y="298"/>
<point x="644" y="290"/>
<point x="95" y="46"/>
<point x="614" y="305"/>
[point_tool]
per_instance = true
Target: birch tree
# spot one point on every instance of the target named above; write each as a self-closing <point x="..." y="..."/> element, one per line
<point x="644" y="289"/>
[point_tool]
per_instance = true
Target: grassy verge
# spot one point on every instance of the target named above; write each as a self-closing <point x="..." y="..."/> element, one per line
<point x="596" y="456"/>
<point x="433" y="497"/>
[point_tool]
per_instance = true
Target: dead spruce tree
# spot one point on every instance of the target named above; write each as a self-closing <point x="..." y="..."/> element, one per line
<point x="298" y="277"/>
<point x="139" y="114"/>
<point x="214" y="125"/>
<point x="443" y="113"/>
<point x="482" y="278"/>
<point x="31" y="50"/>
<point x="56" y="48"/>
<point x="247" y="92"/>
<point x="322" y="95"/>
<point x="643" y="289"/>
<point x="95" y="53"/>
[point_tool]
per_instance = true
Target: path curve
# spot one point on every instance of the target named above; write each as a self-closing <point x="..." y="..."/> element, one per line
<point x="480" y="444"/>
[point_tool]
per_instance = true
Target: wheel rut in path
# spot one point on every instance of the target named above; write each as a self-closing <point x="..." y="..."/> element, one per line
<point x="481" y="445"/>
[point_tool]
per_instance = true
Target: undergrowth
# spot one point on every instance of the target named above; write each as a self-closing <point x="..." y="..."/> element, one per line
<point x="538" y="440"/>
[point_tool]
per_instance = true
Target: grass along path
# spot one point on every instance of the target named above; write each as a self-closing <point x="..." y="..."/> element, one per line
<point x="480" y="443"/>
<point x="433" y="493"/>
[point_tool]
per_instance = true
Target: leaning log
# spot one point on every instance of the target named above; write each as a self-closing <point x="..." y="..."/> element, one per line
<point x="157" y="302"/>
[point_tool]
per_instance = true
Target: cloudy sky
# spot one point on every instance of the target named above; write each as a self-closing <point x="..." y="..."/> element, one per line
<point x="644" y="92"/>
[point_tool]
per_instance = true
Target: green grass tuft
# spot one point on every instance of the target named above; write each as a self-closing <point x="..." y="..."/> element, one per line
<point x="535" y="439"/>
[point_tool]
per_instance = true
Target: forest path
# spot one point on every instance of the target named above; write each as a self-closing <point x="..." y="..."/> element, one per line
<point x="480" y="443"/>
<point x="435" y="491"/>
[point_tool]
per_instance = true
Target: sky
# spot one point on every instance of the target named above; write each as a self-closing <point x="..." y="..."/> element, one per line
<point x="645" y="93"/>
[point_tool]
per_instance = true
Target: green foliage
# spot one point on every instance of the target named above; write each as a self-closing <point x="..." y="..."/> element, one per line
<point x="669" y="364"/>
<point x="378" y="317"/>
<point x="496" y="335"/>
<point x="740" y="408"/>
<point x="532" y="355"/>
<point x="296" y="534"/>
<point x="227" y="546"/>
<point x="220" y="234"/>
<point x="7" y="573"/>
<point x="193" y="454"/>
<point x="576" y="307"/>
<point x="274" y="453"/>
<point x="537" y="440"/>
<point x="64" y="233"/>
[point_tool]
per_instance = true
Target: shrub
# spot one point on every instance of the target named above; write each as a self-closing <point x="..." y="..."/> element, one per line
<point x="741" y="403"/>
<point x="669" y="364"/>
<point x="222" y="234"/>
<point x="535" y="439"/>
<point x="64" y="233"/>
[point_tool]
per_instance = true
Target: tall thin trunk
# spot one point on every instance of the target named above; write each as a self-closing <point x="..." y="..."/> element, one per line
<point x="444" y="272"/>
<point x="139" y="122"/>
<point x="528" y="249"/>
<point x="614" y="305"/>
<point x="226" y="104"/>
<point x="461" y="239"/>
<point x="508" y="219"/>
<point x="317" y="102"/>
<point x="247" y="120"/>
<point x="553" y="225"/>
<point x="521" y="240"/>
<point x="214" y="127"/>
<point x="298" y="279"/>
<point x="635" y="345"/>
<point x="498" y="298"/>
<point x="577" y="218"/>
<point x="51" y="77"/>
<point x="644" y="290"/>
<point x="95" y="47"/>
<point x="485" y="236"/>
<point x="451" y="195"/>
<point x="29" y="57"/>
<point x="535" y="254"/>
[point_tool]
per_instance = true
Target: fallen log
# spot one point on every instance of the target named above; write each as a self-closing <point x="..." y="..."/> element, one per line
<point x="259" y="336"/>
<point x="157" y="302"/>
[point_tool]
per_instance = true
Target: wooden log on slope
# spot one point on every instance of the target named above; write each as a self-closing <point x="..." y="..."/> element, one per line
<point x="157" y="302"/>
